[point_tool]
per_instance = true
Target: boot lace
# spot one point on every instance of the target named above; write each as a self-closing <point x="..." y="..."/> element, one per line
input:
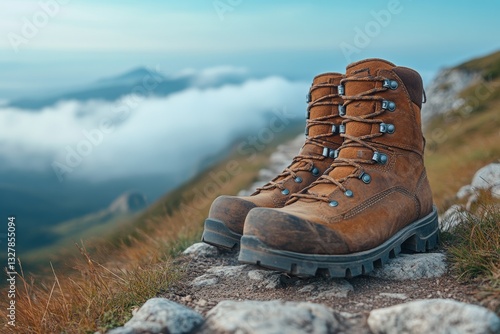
<point x="351" y="141"/>
<point x="306" y="162"/>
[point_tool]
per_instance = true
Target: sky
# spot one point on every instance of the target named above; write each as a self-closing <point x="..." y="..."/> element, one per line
<point x="49" y="45"/>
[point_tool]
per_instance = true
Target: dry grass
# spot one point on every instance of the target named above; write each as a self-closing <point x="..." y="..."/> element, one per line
<point x="459" y="143"/>
<point x="98" y="289"/>
<point x="474" y="248"/>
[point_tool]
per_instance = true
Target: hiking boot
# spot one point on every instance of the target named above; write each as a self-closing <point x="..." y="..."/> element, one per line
<point x="373" y="201"/>
<point x="224" y="225"/>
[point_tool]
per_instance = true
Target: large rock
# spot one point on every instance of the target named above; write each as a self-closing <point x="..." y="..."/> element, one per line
<point x="488" y="177"/>
<point x="433" y="316"/>
<point x="272" y="317"/>
<point x="159" y="315"/>
<point x="443" y="93"/>
<point x="413" y="267"/>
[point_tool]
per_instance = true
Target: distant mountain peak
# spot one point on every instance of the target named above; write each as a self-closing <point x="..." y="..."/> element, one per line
<point x="134" y="75"/>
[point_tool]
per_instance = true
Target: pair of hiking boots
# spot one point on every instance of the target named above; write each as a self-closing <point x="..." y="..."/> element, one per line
<point x="355" y="195"/>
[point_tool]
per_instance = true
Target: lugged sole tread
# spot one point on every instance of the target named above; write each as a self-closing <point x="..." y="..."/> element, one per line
<point x="419" y="236"/>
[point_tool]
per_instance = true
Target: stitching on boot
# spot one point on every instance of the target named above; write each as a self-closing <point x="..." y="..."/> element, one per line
<point x="377" y="198"/>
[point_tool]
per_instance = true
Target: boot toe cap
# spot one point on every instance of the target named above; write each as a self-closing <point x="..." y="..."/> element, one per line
<point x="231" y="211"/>
<point x="292" y="232"/>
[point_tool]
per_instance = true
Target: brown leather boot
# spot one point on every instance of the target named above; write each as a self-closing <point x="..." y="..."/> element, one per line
<point x="373" y="201"/>
<point x="224" y="225"/>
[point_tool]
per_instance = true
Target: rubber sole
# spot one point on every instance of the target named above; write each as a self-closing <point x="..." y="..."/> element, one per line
<point x="420" y="236"/>
<point x="216" y="233"/>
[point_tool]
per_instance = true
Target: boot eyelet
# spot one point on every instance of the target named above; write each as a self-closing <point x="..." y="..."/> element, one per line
<point x="342" y="128"/>
<point x="349" y="193"/>
<point x="315" y="171"/>
<point x="341" y="89"/>
<point x="387" y="128"/>
<point x="335" y="129"/>
<point x="391" y="84"/>
<point x="333" y="204"/>
<point x="366" y="178"/>
<point x="285" y="191"/>
<point x="298" y="179"/>
<point x="388" y="105"/>
<point x="308" y="97"/>
<point x="341" y="110"/>
<point x="381" y="158"/>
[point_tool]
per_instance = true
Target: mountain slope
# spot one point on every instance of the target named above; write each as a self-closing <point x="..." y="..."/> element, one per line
<point x="464" y="135"/>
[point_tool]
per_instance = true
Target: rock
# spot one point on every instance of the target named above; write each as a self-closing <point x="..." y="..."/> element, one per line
<point x="226" y="271"/>
<point x="465" y="191"/>
<point x="272" y="317"/>
<point x="258" y="277"/>
<point x="433" y="316"/>
<point x="452" y="217"/>
<point x="205" y="280"/>
<point x="488" y="177"/>
<point x="401" y="296"/>
<point x="443" y="93"/>
<point x="201" y="249"/>
<point x="412" y="267"/>
<point x="159" y="315"/>
<point x="327" y="290"/>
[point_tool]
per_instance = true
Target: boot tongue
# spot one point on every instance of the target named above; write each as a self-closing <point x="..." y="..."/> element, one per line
<point x="362" y="69"/>
<point x="319" y="111"/>
<point x="317" y="92"/>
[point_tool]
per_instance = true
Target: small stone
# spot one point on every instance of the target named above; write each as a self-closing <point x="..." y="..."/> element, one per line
<point x="205" y="280"/>
<point x="413" y="267"/>
<point x="433" y="316"/>
<point x="201" y="302"/>
<point x="273" y="317"/>
<point x="334" y="288"/>
<point x="307" y="288"/>
<point x="160" y="315"/>
<point x="452" y="217"/>
<point x="400" y="296"/>
<point x="201" y="249"/>
<point x="227" y="271"/>
<point x="256" y="275"/>
<point x="273" y="282"/>
<point x="187" y="298"/>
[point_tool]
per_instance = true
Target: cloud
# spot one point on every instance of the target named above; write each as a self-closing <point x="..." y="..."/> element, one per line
<point x="161" y="135"/>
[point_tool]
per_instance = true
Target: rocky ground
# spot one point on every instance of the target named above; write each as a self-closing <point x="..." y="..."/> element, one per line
<point x="414" y="293"/>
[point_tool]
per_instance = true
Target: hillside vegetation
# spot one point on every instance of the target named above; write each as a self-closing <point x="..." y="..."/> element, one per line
<point x="462" y="140"/>
<point x="95" y="285"/>
<point x="98" y="288"/>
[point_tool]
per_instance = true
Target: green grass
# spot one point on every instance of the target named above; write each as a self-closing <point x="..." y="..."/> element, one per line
<point x="474" y="249"/>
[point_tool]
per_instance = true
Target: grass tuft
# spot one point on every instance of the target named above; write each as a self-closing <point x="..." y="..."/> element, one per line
<point x="474" y="248"/>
